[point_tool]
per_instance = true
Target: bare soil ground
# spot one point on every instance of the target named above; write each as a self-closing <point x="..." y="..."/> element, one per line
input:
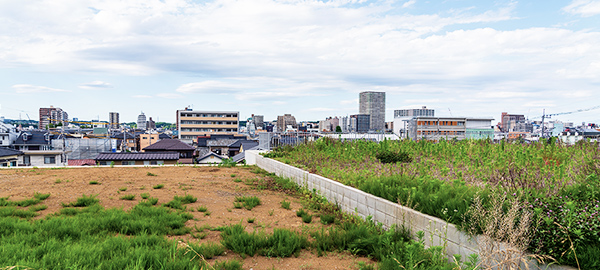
<point x="214" y="187"/>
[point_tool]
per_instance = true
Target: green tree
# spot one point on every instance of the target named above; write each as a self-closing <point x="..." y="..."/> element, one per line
<point x="338" y="129"/>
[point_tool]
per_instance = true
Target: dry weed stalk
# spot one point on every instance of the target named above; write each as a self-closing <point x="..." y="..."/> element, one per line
<point x="505" y="234"/>
<point x="188" y="248"/>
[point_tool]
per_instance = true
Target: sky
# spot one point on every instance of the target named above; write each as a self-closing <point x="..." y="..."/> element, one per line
<point x="305" y="57"/>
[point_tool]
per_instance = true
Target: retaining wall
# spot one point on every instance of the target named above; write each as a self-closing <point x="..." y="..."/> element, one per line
<point x="351" y="200"/>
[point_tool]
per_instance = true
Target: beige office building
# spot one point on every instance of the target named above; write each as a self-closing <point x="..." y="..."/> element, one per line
<point x="191" y="124"/>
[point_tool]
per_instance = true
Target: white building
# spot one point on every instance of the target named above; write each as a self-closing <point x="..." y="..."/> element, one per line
<point x="141" y="121"/>
<point x="8" y="134"/>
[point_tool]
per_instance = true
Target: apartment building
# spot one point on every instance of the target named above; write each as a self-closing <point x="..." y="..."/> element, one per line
<point x="113" y="120"/>
<point x="373" y="104"/>
<point x="191" y="124"/>
<point x="436" y="128"/>
<point x="52" y="116"/>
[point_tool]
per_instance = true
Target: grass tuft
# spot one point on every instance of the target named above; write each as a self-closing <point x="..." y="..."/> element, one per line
<point x="286" y="205"/>
<point x="128" y="197"/>
<point x="247" y="202"/>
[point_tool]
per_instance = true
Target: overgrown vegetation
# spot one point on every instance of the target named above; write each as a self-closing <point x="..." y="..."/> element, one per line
<point x="94" y="237"/>
<point x="393" y="249"/>
<point x="559" y="183"/>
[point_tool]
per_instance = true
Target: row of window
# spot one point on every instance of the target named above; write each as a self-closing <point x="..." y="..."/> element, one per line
<point x="207" y="115"/>
<point x="440" y="123"/>
<point x="440" y="132"/>
<point x="208" y="123"/>
<point x="209" y="130"/>
<point x="12" y="164"/>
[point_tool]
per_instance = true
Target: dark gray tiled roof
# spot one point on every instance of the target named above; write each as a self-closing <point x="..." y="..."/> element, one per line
<point x="170" y="145"/>
<point x="239" y="157"/>
<point x="208" y="155"/>
<point x="201" y="151"/>
<point x="139" y="156"/>
<point x="221" y="142"/>
<point x="240" y="142"/>
<point x="4" y="152"/>
<point x="34" y="138"/>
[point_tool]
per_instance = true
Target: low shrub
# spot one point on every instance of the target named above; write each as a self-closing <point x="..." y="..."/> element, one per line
<point x="387" y="156"/>
<point x="327" y="218"/>
<point x="159" y="186"/>
<point x="307" y="218"/>
<point x="301" y="212"/>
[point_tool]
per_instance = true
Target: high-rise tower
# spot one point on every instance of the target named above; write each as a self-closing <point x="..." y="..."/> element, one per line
<point x="373" y="104"/>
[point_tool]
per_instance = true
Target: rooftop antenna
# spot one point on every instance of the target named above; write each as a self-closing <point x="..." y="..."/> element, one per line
<point x="450" y="112"/>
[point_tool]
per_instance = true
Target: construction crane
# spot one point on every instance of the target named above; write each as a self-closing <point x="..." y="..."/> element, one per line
<point x="544" y="115"/>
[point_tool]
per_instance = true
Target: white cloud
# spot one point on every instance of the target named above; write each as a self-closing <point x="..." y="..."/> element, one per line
<point x="27" y="88"/>
<point x="95" y="85"/>
<point x="209" y="87"/>
<point x="351" y="101"/>
<point x="408" y="3"/>
<point x="321" y="109"/>
<point x="169" y="95"/>
<point x="297" y="51"/>
<point x="585" y="8"/>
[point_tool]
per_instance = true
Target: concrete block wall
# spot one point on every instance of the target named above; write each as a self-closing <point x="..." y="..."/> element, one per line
<point x="437" y="232"/>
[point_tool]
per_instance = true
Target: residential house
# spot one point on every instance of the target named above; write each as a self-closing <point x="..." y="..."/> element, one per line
<point x="186" y="151"/>
<point x="37" y="149"/>
<point x="9" y="157"/>
<point x="209" y="158"/>
<point x="152" y="158"/>
<point x="8" y="134"/>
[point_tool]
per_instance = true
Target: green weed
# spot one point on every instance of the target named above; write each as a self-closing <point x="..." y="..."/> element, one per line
<point x="285" y="205"/>
<point x="128" y="197"/>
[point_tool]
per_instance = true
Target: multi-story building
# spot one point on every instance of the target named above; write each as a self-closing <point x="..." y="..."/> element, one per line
<point x="191" y="124"/>
<point x="52" y="116"/>
<point x="401" y="118"/>
<point x="329" y="125"/>
<point x="113" y="120"/>
<point x="8" y="134"/>
<point x="141" y="122"/>
<point x="414" y="112"/>
<point x="436" y="128"/>
<point x="479" y="128"/>
<point x="150" y="124"/>
<point x="146" y="140"/>
<point x="360" y="123"/>
<point x="283" y="121"/>
<point x="514" y="122"/>
<point x="259" y="121"/>
<point x="373" y="104"/>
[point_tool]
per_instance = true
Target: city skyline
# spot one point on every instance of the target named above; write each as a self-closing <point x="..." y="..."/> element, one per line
<point x="310" y="59"/>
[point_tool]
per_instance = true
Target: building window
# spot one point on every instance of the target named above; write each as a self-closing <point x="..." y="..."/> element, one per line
<point x="128" y="162"/>
<point x="49" y="160"/>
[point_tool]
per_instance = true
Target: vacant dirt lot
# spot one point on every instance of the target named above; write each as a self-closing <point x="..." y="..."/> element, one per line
<point x="214" y="187"/>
